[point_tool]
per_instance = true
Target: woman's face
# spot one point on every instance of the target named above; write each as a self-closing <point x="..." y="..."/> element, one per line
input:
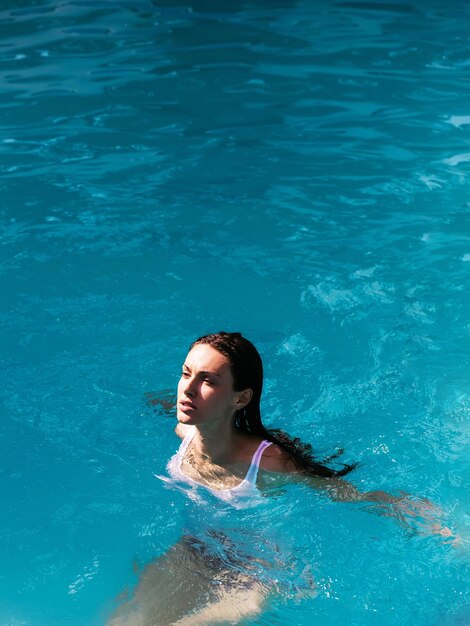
<point x="205" y="389"/>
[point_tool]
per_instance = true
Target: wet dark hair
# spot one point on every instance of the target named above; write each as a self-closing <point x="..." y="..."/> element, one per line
<point x="247" y="371"/>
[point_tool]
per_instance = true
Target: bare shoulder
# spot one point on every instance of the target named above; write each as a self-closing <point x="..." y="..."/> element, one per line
<point x="275" y="459"/>
<point x="182" y="430"/>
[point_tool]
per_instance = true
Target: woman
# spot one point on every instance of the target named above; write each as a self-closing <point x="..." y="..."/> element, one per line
<point x="227" y="452"/>
<point x="219" y="420"/>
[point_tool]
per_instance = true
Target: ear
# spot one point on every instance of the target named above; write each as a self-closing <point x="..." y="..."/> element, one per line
<point x="244" y="398"/>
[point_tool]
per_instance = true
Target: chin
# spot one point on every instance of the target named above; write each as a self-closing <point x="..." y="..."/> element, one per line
<point x="184" y="418"/>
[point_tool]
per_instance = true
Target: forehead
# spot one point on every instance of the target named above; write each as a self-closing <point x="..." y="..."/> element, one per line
<point x="207" y="358"/>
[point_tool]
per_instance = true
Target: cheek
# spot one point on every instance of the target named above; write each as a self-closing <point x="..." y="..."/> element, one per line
<point x="217" y="396"/>
<point x="208" y="395"/>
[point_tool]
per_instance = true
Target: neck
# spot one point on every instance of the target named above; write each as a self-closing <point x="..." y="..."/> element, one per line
<point x="215" y="441"/>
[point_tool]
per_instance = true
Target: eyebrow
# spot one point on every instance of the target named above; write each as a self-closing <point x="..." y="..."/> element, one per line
<point x="204" y="372"/>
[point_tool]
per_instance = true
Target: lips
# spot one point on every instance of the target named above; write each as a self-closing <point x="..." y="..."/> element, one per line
<point x="185" y="406"/>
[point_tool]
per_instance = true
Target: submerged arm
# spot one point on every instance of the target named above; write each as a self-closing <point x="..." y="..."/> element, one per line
<point x="164" y="400"/>
<point x="341" y="490"/>
<point x="412" y="513"/>
<point x="278" y="463"/>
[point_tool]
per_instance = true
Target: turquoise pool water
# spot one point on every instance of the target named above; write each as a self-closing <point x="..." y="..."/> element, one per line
<point x="297" y="171"/>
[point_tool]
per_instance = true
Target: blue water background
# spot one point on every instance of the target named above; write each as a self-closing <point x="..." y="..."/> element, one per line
<point x="294" y="170"/>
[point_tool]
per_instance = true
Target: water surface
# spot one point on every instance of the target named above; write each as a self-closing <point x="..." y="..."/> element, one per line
<point x="298" y="172"/>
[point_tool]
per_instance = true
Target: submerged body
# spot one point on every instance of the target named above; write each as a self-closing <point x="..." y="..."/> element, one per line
<point x="227" y="451"/>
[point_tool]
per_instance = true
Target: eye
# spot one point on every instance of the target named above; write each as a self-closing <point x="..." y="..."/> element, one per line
<point x="209" y="381"/>
<point x="184" y="374"/>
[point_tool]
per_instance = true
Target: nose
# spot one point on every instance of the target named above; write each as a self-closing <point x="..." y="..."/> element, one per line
<point x="190" y="388"/>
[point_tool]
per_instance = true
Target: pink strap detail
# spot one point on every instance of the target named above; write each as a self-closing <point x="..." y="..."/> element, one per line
<point x="252" y="473"/>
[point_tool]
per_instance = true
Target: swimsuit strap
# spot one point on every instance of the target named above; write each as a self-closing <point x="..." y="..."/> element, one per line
<point x="252" y="473"/>
<point x="185" y="443"/>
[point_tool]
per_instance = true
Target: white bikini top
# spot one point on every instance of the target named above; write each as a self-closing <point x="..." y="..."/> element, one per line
<point x="247" y="487"/>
